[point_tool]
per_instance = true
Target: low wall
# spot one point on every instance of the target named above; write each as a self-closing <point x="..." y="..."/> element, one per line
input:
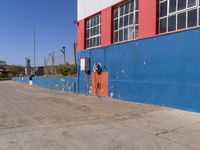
<point x="64" y="84"/>
<point x="24" y="80"/>
<point x="56" y="83"/>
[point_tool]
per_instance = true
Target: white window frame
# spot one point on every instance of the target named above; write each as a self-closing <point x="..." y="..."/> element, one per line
<point x="177" y="12"/>
<point x="94" y="30"/>
<point x="123" y="28"/>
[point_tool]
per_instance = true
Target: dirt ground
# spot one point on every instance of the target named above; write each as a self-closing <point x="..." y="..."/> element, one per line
<point x="33" y="118"/>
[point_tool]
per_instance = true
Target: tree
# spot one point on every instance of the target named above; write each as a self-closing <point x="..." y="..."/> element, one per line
<point x="67" y="70"/>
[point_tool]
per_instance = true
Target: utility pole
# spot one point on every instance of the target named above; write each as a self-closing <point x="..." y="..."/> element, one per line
<point x="53" y="61"/>
<point x="75" y="48"/>
<point x="63" y="51"/>
<point x="45" y="65"/>
<point x="34" y="49"/>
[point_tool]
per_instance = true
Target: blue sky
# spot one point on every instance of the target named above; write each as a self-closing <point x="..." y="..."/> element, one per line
<point x="54" y="29"/>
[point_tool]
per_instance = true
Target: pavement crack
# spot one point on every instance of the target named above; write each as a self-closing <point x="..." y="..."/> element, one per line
<point x="163" y="132"/>
<point x="174" y="130"/>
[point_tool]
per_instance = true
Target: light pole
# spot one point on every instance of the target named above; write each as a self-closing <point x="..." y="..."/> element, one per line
<point x="75" y="49"/>
<point x="53" y="62"/>
<point x="34" y="49"/>
<point x="63" y="51"/>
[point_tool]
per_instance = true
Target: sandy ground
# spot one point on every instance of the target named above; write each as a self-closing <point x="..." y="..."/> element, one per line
<point x="33" y="118"/>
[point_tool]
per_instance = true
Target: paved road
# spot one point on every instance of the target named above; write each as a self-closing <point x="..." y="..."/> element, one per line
<point x="38" y="119"/>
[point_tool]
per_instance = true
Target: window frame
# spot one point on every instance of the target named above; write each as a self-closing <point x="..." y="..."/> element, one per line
<point x="177" y="13"/>
<point x="128" y="26"/>
<point x="92" y="29"/>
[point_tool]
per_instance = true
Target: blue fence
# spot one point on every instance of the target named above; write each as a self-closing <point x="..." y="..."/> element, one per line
<point x="163" y="70"/>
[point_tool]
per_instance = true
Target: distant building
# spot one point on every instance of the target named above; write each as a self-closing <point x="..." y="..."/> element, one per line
<point x="40" y="71"/>
<point x="2" y="64"/>
<point x="4" y="73"/>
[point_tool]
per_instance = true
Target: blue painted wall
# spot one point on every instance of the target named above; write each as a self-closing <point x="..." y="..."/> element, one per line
<point x="65" y="84"/>
<point x="24" y="80"/>
<point x="163" y="70"/>
<point x="56" y="83"/>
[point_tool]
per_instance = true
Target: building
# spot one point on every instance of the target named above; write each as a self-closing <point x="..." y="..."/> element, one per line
<point x="148" y="51"/>
<point x="2" y="64"/>
<point x="3" y="72"/>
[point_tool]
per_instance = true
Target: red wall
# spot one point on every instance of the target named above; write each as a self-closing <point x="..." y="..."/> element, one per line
<point x="147" y="23"/>
<point x="147" y="18"/>
<point x="106" y="36"/>
<point x="81" y="35"/>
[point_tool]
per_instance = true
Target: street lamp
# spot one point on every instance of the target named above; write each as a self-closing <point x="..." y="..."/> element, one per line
<point x="63" y="51"/>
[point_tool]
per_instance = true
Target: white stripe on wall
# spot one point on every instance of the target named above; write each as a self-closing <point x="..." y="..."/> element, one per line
<point x="87" y="8"/>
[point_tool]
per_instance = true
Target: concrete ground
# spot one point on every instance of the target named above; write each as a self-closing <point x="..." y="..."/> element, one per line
<point x="33" y="118"/>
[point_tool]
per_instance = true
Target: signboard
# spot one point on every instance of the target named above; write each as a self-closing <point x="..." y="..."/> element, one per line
<point x="82" y="64"/>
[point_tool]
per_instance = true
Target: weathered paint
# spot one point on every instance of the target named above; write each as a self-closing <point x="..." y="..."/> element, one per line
<point x="100" y="84"/>
<point x="64" y="84"/>
<point x="24" y="80"/>
<point x="56" y="83"/>
<point x="163" y="70"/>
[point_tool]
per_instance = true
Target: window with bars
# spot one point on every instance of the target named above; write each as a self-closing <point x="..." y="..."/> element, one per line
<point x="93" y="29"/>
<point x="126" y="21"/>
<point x="178" y="14"/>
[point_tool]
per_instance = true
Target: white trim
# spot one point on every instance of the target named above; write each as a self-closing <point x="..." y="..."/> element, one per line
<point x="87" y="8"/>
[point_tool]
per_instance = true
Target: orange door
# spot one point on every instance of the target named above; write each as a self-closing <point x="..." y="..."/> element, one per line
<point x="100" y="84"/>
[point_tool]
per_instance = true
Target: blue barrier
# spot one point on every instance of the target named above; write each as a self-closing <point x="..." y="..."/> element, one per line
<point x="24" y="80"/>
<point x="65" y="84"/>
<point x="56" y="83"/>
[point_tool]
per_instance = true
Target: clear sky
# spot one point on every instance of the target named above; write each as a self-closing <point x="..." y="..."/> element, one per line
<point x="54" y="29"/>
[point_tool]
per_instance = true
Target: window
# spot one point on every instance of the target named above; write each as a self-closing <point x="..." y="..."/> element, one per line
<point x="192" y="18"/>
<point x="163" y="9"/>
<point x="172" y="23"/>
<point x="181" y="20"/>
<point x="126" y="21"/>
<point x="178" y="14"/>
<point x="199" y="16"/>
<point x="192" y="3"/>
<point x="172" y="5"/>
<point x="182" y="4"/>
<point x="93" y="36"/>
